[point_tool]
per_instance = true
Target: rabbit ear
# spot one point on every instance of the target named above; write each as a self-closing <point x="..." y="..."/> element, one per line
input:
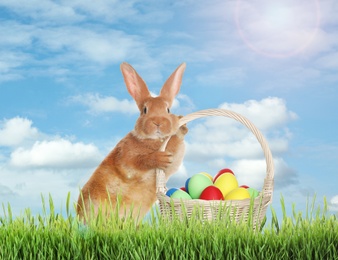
<point x="172" y="86"/>
<point x="135" y="84"/>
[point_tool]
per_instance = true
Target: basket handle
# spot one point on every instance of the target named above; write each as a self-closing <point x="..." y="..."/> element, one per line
<point x="268" y="181"/>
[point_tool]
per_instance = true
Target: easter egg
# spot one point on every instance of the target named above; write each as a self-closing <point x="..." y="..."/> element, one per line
<point x="253" y="192"/>
<point x="183" y="188"/>
<point x="244" y="186"/>
<point x="197" y="184"/>
<point x="226" y="183"/>
<point x="186" y="185"/>
<point x="170" y="191"/>
<point x="211" y="193"/>
<point x="207" y="174"/>
<point x="225" y="170"/>
<point x="180" y="194"/>
<point x="238" y="194"/>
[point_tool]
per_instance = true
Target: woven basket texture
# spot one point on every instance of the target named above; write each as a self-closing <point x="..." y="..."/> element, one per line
<point x="233" y="210"/>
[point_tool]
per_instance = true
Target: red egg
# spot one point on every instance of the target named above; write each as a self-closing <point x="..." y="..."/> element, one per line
<point x="211" y="193"/>
<point x="244" y="186"/>
<point x="183" y="188"/>
<point x="226" y="170"/>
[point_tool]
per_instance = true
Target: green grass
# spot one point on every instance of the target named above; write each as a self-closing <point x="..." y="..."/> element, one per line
<point x="313" y="235"/>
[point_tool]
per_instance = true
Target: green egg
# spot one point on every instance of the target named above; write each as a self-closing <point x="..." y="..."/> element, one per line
<point x="253" y="192"/>
<point x="197" y="184"/>
<point x="180" y="194"/>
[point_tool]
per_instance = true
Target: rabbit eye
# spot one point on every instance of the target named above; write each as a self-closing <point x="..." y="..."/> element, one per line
<point x="168" y="110"/>
<point x="145" y="110"/>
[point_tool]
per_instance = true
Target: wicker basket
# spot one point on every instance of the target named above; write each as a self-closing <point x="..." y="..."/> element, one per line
<point x="238" y="210"/>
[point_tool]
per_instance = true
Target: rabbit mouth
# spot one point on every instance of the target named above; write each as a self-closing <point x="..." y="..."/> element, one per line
<point x="159" y="134"/>
<point x="156" y="135"/>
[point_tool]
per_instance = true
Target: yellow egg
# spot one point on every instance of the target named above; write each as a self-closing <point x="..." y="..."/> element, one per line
<point x="226" y="183"/>
<point x="238" y="194"/>
<point x="207" y="174"/>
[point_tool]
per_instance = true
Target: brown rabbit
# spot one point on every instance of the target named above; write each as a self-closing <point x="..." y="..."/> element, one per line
<point x="128" y="172"/>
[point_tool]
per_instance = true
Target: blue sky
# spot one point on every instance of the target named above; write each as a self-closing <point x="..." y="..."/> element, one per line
<point x="64" y="105"/>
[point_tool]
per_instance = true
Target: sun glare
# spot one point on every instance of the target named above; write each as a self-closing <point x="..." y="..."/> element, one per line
<point x="278" y="16"/>
<point x="279" y="28"/>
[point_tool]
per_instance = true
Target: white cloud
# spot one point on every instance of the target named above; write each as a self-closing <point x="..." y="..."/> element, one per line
<point x="31" y="148"/>
<point x="5" y="190"/>
<point x="182" y="105"/>
<point x="10" y="62"/>
<point x="75" y="11"/>
<point x="56" y="154"/>
<point x="36" y="164"/>
<point x="63" y="45"/>
<point x="114" y="11"/>
<point x="24" y="187"/>
<point x="266" y="114"/>
<point x="333" y="203"/>
<point x="102" y="46"/>
<point x="253" y="172"/>
<point x="250" y="172"/>
<point x="328" y="8"/>
<point x="42" y="11"/>
<point x="16" y="131"/>
<point x="16" y="34"/>
<point x="329" y="61"/>
<point x="99" y="104"/>
<point x="293" y="78"/>
<point x="209" y="146"/>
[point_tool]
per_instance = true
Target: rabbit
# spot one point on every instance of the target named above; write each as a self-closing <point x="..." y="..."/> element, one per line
<point x="128" y="171"/>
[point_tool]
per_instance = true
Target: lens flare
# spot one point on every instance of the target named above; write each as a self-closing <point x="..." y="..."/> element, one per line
<point x="277" y="29"/>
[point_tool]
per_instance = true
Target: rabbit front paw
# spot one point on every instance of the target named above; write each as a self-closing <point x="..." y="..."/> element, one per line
<point x="182" y="131"/>
<point x="162" y="160"/>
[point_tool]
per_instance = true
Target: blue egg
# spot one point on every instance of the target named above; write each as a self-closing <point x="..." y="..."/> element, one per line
<point x="186" y="185"/>
<point x="170" y="191"/>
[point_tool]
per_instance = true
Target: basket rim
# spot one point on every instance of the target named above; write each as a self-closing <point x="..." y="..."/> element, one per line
<point x="268" y="181"/>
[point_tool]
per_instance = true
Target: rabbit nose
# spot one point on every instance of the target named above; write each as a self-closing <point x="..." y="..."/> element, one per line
<point x="157" y="123"/>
